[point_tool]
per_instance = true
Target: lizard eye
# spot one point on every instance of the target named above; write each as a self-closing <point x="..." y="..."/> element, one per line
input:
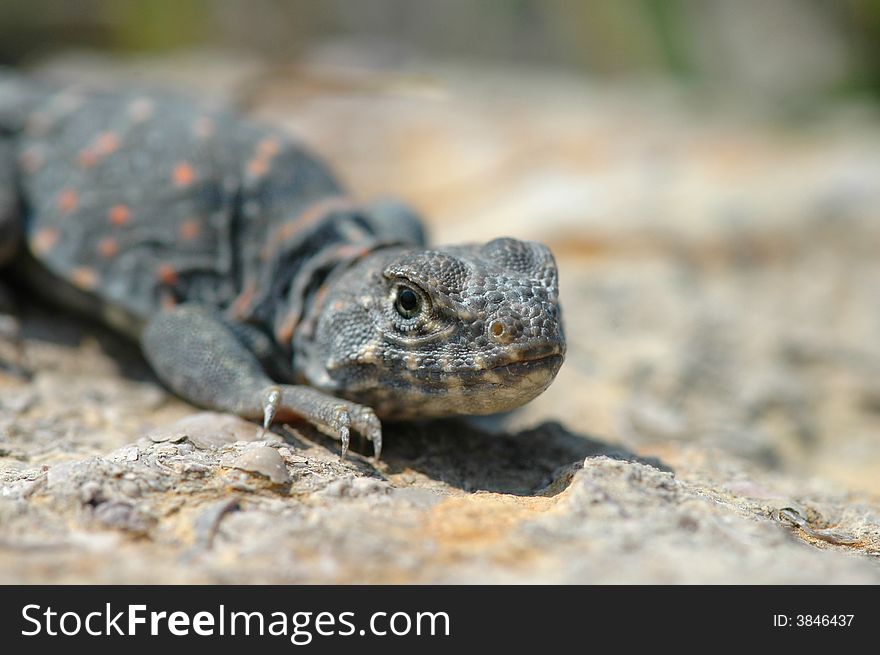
<point x="407" y="303"/>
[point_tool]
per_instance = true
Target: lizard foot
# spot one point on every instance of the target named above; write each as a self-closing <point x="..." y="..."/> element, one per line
<point x="333" y="414"/>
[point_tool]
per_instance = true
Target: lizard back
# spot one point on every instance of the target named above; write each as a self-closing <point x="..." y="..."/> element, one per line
<point x="138" y="202"/>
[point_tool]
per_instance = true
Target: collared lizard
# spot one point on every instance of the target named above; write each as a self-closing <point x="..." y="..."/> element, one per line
<point x="253" y="283"/>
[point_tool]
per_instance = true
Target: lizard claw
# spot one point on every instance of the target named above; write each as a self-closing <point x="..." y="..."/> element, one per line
<point x="372" y="430"/>
<point x="364" y="420"/>
<point x="344" y="437"/>
<point x="377" y="445"/>
<point x="341" y="425"/>
<point x="271" y="400"/>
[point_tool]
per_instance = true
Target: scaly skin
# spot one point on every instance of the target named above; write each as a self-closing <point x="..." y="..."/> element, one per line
<point x="253" y="284"/>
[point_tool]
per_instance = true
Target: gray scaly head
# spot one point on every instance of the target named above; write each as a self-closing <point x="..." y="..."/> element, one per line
<point x="470" y="329"/>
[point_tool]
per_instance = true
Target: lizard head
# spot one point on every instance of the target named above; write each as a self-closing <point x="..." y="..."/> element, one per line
<point x="458" y="330"/>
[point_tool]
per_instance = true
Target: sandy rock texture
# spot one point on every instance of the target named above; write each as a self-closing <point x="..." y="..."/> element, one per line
<point x="717" y="418"/>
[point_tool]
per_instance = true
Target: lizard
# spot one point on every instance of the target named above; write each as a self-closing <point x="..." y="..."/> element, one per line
<point x="252" y="280"/>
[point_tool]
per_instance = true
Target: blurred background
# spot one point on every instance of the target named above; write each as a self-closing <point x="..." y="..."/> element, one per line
<point x="790" y="50"/>
<point x="707" y="172"/>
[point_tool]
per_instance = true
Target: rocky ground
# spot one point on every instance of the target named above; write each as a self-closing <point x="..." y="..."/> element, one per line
<point x="717" y="418"/>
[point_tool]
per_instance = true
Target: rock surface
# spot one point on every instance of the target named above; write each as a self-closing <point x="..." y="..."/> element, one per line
<point x="716" y="420"/>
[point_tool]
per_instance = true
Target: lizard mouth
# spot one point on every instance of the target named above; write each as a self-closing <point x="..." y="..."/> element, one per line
<point x="552" y="361"/>
<point x="507" y="385"/>
<point x="497" y="387"/>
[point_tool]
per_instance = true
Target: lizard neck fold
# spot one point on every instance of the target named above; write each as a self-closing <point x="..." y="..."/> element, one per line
<point x="285" y="289"/>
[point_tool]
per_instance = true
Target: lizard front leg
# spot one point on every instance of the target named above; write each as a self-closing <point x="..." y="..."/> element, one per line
<point x="200" y="357"/>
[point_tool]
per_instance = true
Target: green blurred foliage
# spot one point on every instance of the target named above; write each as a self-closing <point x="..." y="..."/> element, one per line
<point x="793" y="47"/>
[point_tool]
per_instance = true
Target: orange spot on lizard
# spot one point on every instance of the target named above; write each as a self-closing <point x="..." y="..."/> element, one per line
<point x="108" y="247"/>
<point x="84" y="277"/>
<point x="44" y="240"/>
<point x="167" y="274"/>
<point x="183" y="175"/>
<point x="119" y="215"/>
<point x="106" y="143"/>
<point x="68" y="199"/>
<point x="189" y="230"/>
